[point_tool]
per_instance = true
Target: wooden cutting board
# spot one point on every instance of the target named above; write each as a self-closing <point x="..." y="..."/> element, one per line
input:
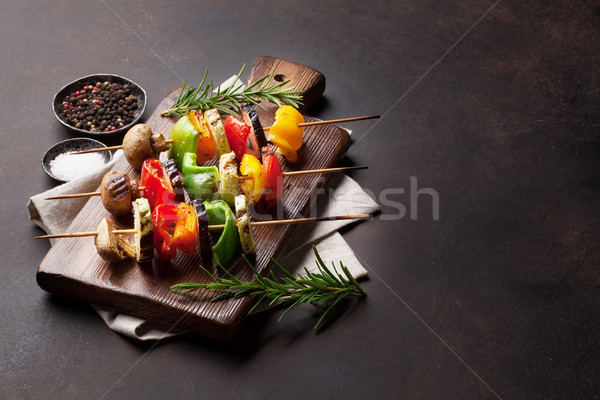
<point x="72" y="267"/>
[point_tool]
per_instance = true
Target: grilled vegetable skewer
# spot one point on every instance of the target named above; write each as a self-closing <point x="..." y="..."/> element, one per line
<point x="177" y="182"/>
<point x="217" y="227"/>
<point x="140" y="143"/>
<point x="181" y="227"/>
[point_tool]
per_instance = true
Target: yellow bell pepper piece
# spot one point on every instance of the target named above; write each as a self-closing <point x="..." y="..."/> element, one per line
<point x="284" y="148"/>
<point x="285" y="132"/>
<point x="255" y="187"/>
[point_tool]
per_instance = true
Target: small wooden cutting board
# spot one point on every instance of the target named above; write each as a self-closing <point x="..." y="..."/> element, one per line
<point x="72" y="268"/>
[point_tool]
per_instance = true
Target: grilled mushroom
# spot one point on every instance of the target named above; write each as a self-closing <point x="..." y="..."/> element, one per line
<point x="117" y="192"/>
<point x="107" y="243"/>
<point x="137" y="146"/>
<point x="140" y="144"/>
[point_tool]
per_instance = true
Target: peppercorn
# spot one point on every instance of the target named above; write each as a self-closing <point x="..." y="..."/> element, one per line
<point x="104" y="106"/>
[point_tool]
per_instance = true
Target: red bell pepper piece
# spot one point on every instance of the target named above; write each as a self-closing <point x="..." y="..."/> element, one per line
<point x="164" y="220"/>
<point x="157" y="188"/>
<point x="175" y="228"/>
<point x="274" y="178"/>
<point x="186" y="229"/>
<point x="237" y="135"/>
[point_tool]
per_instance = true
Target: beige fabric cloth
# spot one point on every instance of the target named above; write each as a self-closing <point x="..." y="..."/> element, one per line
<point x="344" y="197"/>
<point x="55" y="216"/>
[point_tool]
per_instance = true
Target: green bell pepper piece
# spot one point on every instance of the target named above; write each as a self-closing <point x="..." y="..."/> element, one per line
<point x="200" y="182"/>
<point x="185" y="140"/>
<point x="190" y="167"/>
<point x="228" y="244"/>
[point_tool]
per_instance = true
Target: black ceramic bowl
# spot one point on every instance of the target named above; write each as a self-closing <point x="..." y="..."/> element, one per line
<point x="72" y="145"/>
<point x="137" y="91"/>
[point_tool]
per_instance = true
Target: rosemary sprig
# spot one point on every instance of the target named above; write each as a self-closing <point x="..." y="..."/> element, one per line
<point x="324" y="288"/>
<point x="229" y="100"/>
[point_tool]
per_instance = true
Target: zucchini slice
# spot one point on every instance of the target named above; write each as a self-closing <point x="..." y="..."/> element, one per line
<point x="243" y="225"/>
<point x="228" y="185"/>
<point x="217" y="130"/>
<point x="142" y="218"/>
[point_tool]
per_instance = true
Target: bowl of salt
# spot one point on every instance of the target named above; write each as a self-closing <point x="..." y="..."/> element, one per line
<point x="60" y="164"/>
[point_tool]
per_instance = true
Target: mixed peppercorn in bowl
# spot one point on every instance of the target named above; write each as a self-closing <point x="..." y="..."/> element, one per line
<point x="100" y="105"/>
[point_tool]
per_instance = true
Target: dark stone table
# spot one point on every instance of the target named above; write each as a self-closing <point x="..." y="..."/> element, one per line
<point x="483" y="264"/>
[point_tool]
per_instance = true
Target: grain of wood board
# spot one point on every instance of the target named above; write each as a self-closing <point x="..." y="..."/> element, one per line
<point x="72" y="268"/>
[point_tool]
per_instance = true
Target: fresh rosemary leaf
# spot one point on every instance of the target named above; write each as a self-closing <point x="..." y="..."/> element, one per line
<point x="325" y="288"/>
<point x="229" y="100"/>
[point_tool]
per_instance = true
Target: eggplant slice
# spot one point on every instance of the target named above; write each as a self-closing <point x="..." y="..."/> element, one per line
<point x="176" y="179"/>
<point x="257" y="135"/>
<point x="203" y="234"/>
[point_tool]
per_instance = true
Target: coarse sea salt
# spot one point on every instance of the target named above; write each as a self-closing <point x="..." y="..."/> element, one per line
<point x="67" y="166"/>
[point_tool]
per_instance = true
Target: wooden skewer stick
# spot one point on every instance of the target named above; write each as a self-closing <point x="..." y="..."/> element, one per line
<point x="110" y="148"/>
<point x="217" y="227"/>
<point x="98" y="150"/>
<point x="82" y="234"/>
<point x="76" y="195"/>
<point x="310" y="171"/>
<point x="330" y="121"/>
<point x="297" y="220"/>
<point x="324" y="170"/>
<point x="73" y="196"/>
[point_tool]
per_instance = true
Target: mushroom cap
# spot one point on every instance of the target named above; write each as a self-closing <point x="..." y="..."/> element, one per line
<point x="115" y="191"/>
<point x="106" y="242"/>
<point x="137" y="145"/>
